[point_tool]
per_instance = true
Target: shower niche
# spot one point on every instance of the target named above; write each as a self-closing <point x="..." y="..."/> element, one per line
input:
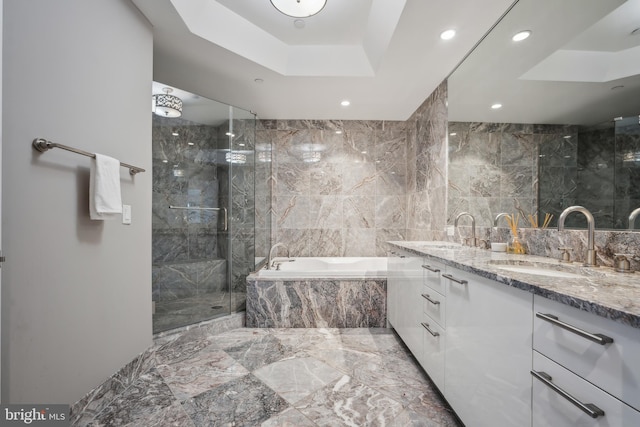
<point x="204" y="211"/>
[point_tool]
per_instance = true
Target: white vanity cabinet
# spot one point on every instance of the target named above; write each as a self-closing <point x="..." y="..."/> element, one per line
<point x="404" y="304"/>
<point x="488" y="351"/>
<point x="434" y="305"/>
<point x="584" y="359"/>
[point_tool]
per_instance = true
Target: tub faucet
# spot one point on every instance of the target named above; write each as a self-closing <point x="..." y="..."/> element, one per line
<point x="632" y="218"/>
<point x="269" y="262"/>
<point x="473" y="226"/>
<point x="591" y="250"/>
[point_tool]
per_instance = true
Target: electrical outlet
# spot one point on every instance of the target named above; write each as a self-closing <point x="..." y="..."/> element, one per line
<point x="450" y="230"/>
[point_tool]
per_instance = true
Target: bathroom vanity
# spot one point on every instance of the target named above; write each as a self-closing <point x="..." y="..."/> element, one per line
<point x="517" y="339"/>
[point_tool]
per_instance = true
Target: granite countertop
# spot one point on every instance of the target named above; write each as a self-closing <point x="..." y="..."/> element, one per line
<point x="601" y="291"/>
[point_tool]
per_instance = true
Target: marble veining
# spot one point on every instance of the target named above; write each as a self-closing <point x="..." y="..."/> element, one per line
<point x="600" y="291"/>
<point x="315" y="303"/>
<point x="304" y="382"/>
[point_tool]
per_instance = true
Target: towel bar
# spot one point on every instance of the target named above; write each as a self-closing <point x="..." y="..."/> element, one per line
<point x="42" y="145"/>
<point x="195" y="208"/>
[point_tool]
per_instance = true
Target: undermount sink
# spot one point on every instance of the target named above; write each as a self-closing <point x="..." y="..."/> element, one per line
<point x="439" y="245"/>
<point x="538" y="269"/>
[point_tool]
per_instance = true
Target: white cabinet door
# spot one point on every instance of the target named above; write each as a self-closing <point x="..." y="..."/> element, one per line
<point x="552" y="404"/>
<point x="488" y="351"/>
<point x="434" y="351"/>
<point x="409" y="302"/>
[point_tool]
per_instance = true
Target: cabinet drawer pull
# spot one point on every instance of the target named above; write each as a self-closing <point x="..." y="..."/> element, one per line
<point x="597" y="338"/>
<point x="426" y="326"/>
<point x="432" y="269"/>
<point x="428" y="298"/>
<point x="450" y="277"/>
<point x="588" y="408"/>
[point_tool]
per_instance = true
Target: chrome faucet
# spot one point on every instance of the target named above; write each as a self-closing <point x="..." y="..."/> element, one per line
<point x="500" y="215"/>
<point x="269" y="262"/>
<point x="473" y="226"/>
<point x="632" y="218"/>
<point x="591" y="250"/>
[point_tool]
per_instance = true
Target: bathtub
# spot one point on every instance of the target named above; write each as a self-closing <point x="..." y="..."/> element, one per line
<point x="327" y="268"/>
<point x="331" y="292"/>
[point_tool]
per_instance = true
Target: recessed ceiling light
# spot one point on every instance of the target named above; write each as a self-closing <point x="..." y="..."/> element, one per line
<point x="496" y="106"/>
<point x="299" y="23"/>
<point x="567" y="137"/>
<point x="448" y="34"/>
<point x="258" y="81"/>
<point x="174" y="133"/>
<point x="339" y="132"/>
<point x="521" y="36"/>
<point x="165" y="161"/>
<point x="345" y="103"/>
<point x="453" y="134"/>
<point x="190" y="143"/>
<point x="230" y="134"/>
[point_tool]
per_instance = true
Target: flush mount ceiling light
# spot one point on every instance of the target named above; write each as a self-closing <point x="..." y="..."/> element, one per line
<point x="448" y="35"/>
<point x="167" y="105"/>
<point x="311" y="156"/>
<point x="496" y="106"/>
<point x="299" y="8"/>
<point x="232" y="157"/>
<point x="345" y="103"/>
<point x="518" y="37"/>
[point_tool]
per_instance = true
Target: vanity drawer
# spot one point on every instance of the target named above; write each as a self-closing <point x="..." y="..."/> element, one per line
<point x="432" y="272"/>
<point x="434" y="305"/>
<point x="550" y="408"/>
<point x="433" y="355"/>
<point x="612" y="366"/>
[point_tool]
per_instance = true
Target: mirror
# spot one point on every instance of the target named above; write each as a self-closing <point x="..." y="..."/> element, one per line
<point x="553" y="142"/>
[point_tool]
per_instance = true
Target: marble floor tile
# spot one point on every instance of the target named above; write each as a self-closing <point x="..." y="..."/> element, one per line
<point x="347" y="402"/>
<point x="272" y="377"/>
<point x="296" y="378"/>
<point x="173" y="415"/>
<point x="260" y="352"/>
<point x="146" y="396"/>
<point x="204" y="371"/>
<point x="289" y="418"/>
<point x="243" y="402"/>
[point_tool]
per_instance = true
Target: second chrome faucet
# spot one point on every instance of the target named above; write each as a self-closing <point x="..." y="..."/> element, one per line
<point x="473" y="226"/>
<point x="591" y="225"/>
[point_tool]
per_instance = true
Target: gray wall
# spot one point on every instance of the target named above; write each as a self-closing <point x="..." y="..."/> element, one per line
<point x="76" y="293"/>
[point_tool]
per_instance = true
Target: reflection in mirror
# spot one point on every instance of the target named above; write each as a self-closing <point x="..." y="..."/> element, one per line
<point x="553" y="143"/>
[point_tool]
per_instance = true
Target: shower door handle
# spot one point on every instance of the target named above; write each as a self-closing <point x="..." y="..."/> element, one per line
<point x="195" y="208"/>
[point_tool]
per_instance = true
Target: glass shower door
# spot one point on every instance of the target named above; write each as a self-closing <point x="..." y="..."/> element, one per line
<point x="196" y="213"/>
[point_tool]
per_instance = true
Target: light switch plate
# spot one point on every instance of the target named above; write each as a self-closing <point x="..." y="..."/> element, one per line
<point x="126" y="214"/>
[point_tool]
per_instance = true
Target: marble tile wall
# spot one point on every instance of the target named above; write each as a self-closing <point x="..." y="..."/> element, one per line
<point x="627" y="189"/>
<point x="493" y="168"/>
<point x="348" y="202"/>
<point x="427" y="168"/>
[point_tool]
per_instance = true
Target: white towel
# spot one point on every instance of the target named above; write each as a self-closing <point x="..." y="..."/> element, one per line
<point x="105" y="201"/>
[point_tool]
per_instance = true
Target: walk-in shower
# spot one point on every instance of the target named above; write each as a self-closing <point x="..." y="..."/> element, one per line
<point x="204" y="211"/>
